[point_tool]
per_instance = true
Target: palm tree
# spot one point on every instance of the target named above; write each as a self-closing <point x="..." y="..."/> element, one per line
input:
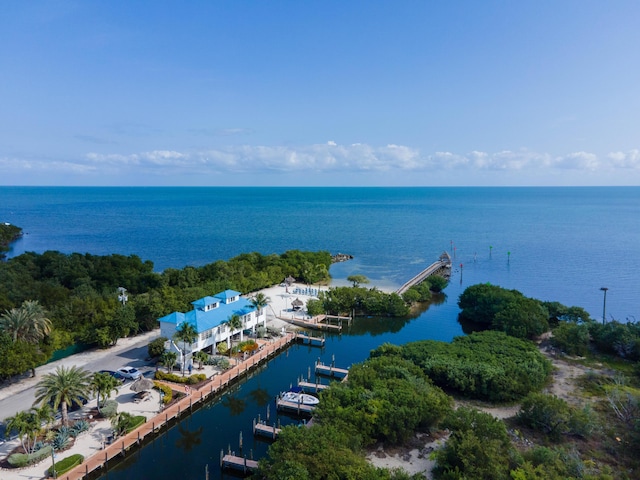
<point x="103" y="384"/>
<point x="186" y="334"/>
<point x="27" y="425"/>
<point x="235" y="323"/>
<point x="200" y="357"/>
<point x="28" y="323"/>
<point x="63" y="388"/>
<point x="44" y="413"/>
<point x="168" y="359"/>
<point x="259" y="301"/>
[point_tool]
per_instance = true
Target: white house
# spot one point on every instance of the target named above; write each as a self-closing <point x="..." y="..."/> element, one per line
<point x="209" y="317"/>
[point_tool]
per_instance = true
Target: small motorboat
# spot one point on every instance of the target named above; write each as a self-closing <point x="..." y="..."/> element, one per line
<point x="299" y="397"/>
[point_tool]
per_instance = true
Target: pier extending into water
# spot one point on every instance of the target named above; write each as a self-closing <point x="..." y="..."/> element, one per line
<point x="123" y="445"/>
<point x="440" y="267"/>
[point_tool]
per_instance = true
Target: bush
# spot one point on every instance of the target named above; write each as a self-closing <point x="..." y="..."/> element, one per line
<point x="79" y="427"/>
<point x="40" y="454"/>
<point x="168" y="393"/>
<point x="61" y="440"/>
<point x="172" y="377"/>
<point x="18" y="460"/>
<point x="156" y="347"/>
<point x="66" y="464"/>
<point x="109" y="409"/>
<point x="485" y="365"/>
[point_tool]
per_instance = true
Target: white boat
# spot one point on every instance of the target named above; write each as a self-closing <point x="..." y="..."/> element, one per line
<point x="299" y="397"/>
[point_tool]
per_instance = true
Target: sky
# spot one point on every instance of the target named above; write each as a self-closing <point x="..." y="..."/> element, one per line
<point x="320" y="93"/>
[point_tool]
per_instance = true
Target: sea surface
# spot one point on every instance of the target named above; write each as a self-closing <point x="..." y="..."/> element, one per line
<point x="560" y="244"/>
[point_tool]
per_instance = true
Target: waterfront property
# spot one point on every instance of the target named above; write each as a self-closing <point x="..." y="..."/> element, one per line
<point x="210" y="319"/>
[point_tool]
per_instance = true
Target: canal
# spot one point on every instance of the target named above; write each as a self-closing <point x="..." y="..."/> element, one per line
<point x="185" y="450"/>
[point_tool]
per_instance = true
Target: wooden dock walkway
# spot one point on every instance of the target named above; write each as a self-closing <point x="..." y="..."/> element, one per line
<point x="309" y="340"/>
<point x="319" y="322"/>
<point x="442" y="265"/>
<point x="311" y="387"/>
<point x="122" y="445"/>
<point x="239" y="464"/>
<point x="262" y="429"/>
<point x="331" y="371"/>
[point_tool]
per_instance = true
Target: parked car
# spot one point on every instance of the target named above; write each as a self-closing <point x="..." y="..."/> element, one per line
<point x="117" y="375"/>
<point x="130" y="372"/>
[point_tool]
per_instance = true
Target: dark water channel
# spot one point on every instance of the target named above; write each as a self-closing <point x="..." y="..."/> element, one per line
<point x="185" y="449"/>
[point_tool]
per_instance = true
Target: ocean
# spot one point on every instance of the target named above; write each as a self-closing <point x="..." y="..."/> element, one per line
<point x="551" y="243"/>
<point x="560" y="244"/>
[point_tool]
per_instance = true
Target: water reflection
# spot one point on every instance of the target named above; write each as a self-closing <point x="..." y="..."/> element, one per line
<point x="260" y="396"/>
<point x="235" y="404"/>
<point x="188" y="439"/>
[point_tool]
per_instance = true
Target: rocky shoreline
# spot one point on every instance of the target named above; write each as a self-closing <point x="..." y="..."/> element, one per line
<point x="341" y="257"/>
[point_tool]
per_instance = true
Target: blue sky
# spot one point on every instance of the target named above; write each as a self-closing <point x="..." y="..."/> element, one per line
<point x="320" y="93"/>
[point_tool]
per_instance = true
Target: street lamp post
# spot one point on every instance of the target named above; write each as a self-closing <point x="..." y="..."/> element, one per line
<point x="604" y="305"/>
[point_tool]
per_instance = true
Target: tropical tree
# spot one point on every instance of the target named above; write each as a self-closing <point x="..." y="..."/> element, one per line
<point x="28" y="323"/>
<point x="168" y="359"/>
<point x="200" y="357"/>
<point x="63" y="388"/>
<point x="357" y="280"/>
<point x="103" y="384"/>
<point x="186" y="334"/>
<point x="27" y="426"/>
<point x="235" y="323"/>
<point x="260" y="301"/>
<point x="44" y="413"/>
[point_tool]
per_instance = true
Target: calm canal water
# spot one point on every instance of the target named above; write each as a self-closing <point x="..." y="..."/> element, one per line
<point x="185" y="449"/>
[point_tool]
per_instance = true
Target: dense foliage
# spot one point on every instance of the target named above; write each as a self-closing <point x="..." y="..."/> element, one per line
<point x="506" y="310"/>
<point x="317" y="453"/>
<point x="386" y="399"/>
<point x="362" y="301"/>
<point x="479" y="448"/>
<point x="8" y="233"/>
<point x="484" y="365"/>
<point x="80" y="297"/>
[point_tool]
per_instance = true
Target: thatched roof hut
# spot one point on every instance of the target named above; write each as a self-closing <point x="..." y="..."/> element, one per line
<point x="297" y="304"/>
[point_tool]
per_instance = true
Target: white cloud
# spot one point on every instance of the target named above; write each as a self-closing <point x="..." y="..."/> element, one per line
<point x="328" y="158"/>
<point x="631" y="159"/>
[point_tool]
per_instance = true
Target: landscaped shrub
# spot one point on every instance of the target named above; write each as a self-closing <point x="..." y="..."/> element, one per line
<point x="66" y="464"/>
<point x="79" y="427"/>
<point x="61" y="440"/>
<point x="18" y="460"/>
<point x="156" y="347"/>
<point x="40" y="454"/>
<point x="172" y="377"/>
<point x="125" y="423"/>
<point x="168" y="393"/>
<point x="109" y="409"/>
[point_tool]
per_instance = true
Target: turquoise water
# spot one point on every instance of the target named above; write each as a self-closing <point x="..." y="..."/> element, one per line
<point x="565" y="243"/>
<point x="550" y="243"/>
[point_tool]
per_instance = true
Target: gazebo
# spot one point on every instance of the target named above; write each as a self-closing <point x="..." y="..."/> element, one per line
<point x="297" y="304"/>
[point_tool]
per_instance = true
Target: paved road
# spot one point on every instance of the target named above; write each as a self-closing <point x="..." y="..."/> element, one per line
<point x="20" y="395"/>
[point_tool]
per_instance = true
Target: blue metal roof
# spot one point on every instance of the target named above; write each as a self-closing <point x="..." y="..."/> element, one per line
<point x="202" y="320"/>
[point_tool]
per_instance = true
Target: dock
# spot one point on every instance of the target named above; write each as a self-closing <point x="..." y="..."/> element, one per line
<point x="319" y="322"/>
<point x="311" y="387"/>
<point x="440" y="267"/>
<point x="331" y="371"/>
<point x="263" y="430"/>
<point x="239" y="464"/>
<point x="309" y="340"/>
